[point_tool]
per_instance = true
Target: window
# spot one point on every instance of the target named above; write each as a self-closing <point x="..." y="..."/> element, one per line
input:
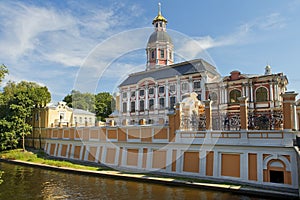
<point x="161" y="89"/>
<point x="172" y="88"/>
<point x="172" y="102"/>
<point x="132" y="106"/>
<point x="124" y="95"/>
<point x="162" y="53"/>
<point x="132" y="94"/>
<point x="197" y="85"/>
<point x="152" y="54"/>
<point x="162" y="103"/>
<point x="184" y="86"/>
<point x="170" y="55"/>
<point x="199" y="96"/>
<point x="61" y="116"/>
<point x="75" y="119"/>
<point x="160" y="24"/>
<point x="85" y="119"/>
<point x="261" y="94"/>
<point x="142" y="108"/>
<point x="151" y="90"/>
<point x="80" y="119"/>
<point x="234" y="95"/>
<point x="124" y="107"/>
<point x="151" y="104"/>
<point x="142" y="92"/>
<point x="90" y="120"/>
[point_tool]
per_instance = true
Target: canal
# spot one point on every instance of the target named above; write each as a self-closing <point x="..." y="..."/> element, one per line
<point x="22" y="183"/>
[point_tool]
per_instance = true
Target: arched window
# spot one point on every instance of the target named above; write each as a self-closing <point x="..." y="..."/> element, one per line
<point x="234" y="95"/>
<point x="162" y="103"/>
<point x="261" y="94"/>
<point x="142" y="105"/>
<point x="151" y="104"/>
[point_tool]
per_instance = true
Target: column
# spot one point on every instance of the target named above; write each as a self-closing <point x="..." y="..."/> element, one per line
<point x="288" y="113"/>
<point x="247" y="90"/>
<point x="225" y="95"/>
<point x="146" y="97"/>
<point x="156" y="97"/>
<point x="128" y="101"/>
<point x="295" y="117"/>
<point x="136" y="100"/>
<point x="190" y="84"/>
<point x="167" y="94"/>
<point x="156" y="56"/>
<point x="178" y="90"/>
<point x="203" y="91"/>
<point x="243" y="112"/>
<point x="271" y="92"/>
<point x="208" y="114"/>
<point x="276" y="92"/>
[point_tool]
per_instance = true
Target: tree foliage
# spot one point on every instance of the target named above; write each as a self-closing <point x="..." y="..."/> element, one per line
<point x="1" y="172"/>
<point x="18" y="102"/>
<point x="104" y="105"/>
<point x="3" y="72"/>
<point x="84" y="101"/>
<point x="101" y="103"/>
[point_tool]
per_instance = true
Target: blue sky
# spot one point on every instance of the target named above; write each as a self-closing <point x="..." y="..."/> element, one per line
<point x="93" y="45"/>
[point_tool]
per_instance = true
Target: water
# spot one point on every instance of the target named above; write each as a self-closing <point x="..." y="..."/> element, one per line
<point x="22" y="182"/>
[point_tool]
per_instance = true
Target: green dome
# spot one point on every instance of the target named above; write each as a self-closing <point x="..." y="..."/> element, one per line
<point x="160" y="36"/>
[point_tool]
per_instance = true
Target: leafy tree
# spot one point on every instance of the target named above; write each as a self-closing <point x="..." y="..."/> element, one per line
<point x="19" y="101"/>
<point x="3" y="72"/>
<point x="84" y="101"/>
<point x="104" y="105"/>
<point x="1" y="172"/>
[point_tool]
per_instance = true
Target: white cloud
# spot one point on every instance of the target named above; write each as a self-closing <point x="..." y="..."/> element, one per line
<point x="197" y="46"/>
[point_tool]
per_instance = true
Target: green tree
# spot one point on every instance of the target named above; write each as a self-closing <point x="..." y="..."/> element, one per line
<point x="1" y="172"/>
<point x="84" y="101"/>
<point x="19" y="101"/>
<point x="3" y="72"/>
<point x="104" y="105"/>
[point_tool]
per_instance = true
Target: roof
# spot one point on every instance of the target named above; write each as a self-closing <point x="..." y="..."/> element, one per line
<point x="179" y="69"/>
<point x="160" y="36"/>
<point x="82" y="112"/>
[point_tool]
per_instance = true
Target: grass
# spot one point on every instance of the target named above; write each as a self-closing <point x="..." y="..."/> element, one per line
<point x="41" y="158"/>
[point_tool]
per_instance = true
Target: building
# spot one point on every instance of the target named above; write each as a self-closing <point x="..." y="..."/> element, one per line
<point x="185" y="119"/>
<point x="146" y="97"/>
<point x="60" y="115"/>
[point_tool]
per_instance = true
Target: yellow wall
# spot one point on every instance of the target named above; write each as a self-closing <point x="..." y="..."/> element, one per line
<point x="230" y="165"/>
<point x="159" y="159"/>
<point x="132" y="157"/>
<point x="191" y="162"/>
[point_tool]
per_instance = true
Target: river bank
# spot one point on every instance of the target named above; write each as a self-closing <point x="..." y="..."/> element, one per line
<point x="36" y="160"/>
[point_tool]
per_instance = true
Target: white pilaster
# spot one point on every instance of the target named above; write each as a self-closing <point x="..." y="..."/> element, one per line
<point x="156" y="97"/>
<point x="167" y="94"/>
<point x="260" y="168"/>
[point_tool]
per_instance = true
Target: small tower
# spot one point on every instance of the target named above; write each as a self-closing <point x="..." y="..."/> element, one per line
<point x="268" y="70"/>
<point x="160" y="46"/>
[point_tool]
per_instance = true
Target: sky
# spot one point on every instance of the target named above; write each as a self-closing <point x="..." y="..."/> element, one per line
<point x="92" y="46"/>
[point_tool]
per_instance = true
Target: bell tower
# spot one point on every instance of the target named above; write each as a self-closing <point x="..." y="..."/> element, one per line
<point x="160" y="46"/>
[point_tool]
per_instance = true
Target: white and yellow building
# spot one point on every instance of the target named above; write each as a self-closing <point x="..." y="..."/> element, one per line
<point x="186" y="119"/>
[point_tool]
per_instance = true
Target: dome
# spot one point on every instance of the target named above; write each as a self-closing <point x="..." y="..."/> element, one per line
<point x="160" y="36"/>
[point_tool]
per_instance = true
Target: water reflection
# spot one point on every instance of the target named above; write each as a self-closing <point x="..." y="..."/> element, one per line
<point x="33" y="183"/>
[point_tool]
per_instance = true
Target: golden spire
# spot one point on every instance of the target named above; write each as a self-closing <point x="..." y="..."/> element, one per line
<point x="159" y="16"/>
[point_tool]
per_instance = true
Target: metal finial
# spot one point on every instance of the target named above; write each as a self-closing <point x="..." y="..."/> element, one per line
<point x="159" y="8"/>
